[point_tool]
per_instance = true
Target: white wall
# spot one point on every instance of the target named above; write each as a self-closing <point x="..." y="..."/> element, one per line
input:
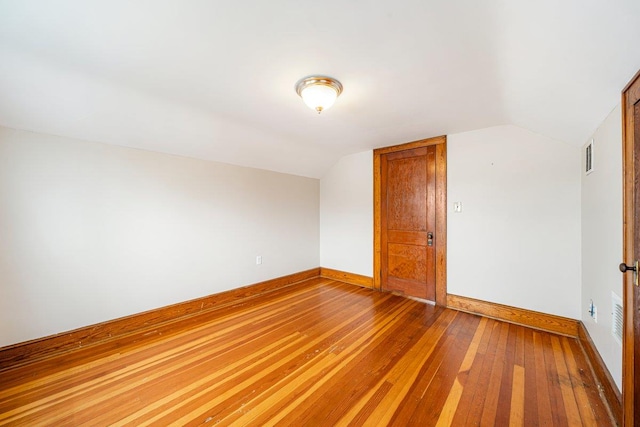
<point x="517" y="239"/>
<point x="91" y="232"/>
<point x="346" y="215"/>
<point x="602" y="238"/>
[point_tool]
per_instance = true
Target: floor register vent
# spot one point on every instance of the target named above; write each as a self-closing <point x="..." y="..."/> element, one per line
<point x="616" y="321"/>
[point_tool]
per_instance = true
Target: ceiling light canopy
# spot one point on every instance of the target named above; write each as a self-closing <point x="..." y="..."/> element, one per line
<point x="319" y="92"/>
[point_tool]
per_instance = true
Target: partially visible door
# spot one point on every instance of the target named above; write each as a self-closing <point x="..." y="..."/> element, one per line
<point x="631" y="338"/>
<point x="410" y="219"/>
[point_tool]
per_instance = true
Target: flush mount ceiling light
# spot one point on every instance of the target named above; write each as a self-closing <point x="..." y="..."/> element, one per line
<point x="319" y="92"/>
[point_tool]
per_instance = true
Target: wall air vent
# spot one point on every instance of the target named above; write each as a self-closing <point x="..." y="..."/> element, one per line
<point x="616" y="320"/>
<point x="588" y="158"/>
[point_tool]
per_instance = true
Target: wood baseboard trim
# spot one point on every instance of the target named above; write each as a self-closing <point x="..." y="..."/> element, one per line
<point x="607" y="385"/>
<point x="533" y="319"/>
<point x="343" y="276"/>
<point x="54" y="344"/>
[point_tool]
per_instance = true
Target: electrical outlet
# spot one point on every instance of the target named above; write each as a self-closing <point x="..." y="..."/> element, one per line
<point x="259" y="260"/>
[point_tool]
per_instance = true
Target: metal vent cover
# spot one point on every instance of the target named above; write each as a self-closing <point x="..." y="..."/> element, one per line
<point x="616" y="319"/>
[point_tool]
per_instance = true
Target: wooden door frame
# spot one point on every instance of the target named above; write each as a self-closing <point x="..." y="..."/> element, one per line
<point x="630" y="96"/>
<point x="441" y="211"/>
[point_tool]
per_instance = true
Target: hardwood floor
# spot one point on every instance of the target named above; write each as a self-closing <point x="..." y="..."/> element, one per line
<point x="318" y="353"/>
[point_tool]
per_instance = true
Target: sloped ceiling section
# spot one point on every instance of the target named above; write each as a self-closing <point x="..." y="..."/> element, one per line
<point x="214" y="79"/>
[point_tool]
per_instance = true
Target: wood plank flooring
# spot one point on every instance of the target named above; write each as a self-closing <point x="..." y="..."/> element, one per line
<point x="318" y="353"/>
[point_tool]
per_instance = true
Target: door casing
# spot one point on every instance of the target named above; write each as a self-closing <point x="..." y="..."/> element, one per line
<point x="441" y="211"/>
<point x="631" y="208"/>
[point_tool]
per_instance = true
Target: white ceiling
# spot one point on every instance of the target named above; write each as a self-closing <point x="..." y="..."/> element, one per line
<point x="214" y="79"/>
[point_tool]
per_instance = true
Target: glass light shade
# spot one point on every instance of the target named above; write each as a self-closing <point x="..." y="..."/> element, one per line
<point x="318" y="92"/>
<point x="319" y="97"/>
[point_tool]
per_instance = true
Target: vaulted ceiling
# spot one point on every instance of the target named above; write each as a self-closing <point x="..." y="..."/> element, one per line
<point x="214" y="79"/>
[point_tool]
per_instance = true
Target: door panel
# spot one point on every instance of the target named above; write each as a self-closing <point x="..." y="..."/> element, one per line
<point x="408" y="199"/>
<point x="408" y="237"/>
<point x="406" y="192"/>
<point x="407" y="262"/>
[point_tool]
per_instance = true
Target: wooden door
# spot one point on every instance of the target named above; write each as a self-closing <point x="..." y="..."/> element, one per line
<point x="631" y="337"/>
<point x="410" y="219"/>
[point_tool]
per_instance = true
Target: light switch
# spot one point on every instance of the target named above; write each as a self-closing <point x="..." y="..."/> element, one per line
<point x="457" y="207"/>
